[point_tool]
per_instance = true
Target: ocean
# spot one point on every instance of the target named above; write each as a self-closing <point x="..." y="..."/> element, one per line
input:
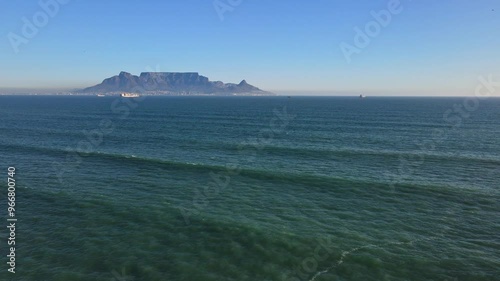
<point x="251" y="188"/>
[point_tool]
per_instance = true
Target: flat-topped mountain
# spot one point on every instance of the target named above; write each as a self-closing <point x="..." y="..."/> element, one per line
<point x="171" y="83"/>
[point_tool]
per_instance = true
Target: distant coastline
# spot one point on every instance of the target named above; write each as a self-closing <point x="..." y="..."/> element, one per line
<point x="118" y="94"/>
<point x="171" y="84"/>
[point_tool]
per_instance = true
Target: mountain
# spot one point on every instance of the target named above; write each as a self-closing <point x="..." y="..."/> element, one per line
<point x="171" y="83"/>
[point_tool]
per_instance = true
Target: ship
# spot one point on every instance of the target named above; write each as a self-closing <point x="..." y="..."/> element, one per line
<point x="101" y="95"/>
<point x="129" y="95"/>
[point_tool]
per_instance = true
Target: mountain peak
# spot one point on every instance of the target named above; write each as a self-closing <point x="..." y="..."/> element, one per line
<point x="123" y="73"/>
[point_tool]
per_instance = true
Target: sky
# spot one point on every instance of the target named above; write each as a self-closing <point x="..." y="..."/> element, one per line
<point x="337" y="47"/>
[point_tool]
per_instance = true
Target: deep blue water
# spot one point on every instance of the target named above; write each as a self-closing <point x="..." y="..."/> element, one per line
<point x="252" y="188"/>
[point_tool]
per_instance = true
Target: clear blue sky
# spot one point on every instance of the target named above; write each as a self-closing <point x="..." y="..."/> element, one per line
<point x="430" y="47"/>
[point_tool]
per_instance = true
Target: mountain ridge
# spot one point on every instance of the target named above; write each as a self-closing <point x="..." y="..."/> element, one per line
<point x="171" y="83"/>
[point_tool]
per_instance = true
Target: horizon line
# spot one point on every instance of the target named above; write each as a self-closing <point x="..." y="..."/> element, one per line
<point x="277" y="95"/>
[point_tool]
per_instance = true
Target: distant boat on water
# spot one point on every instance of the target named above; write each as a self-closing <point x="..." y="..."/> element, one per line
<point x="362" y="96"/>
<point x="101" y="95"/>
<point x="128" y="95"/>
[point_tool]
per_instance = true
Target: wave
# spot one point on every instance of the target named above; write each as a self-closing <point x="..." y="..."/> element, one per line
<point x="281" y="151"/>
<point x="306" y="180"/>
<point x="415" y="155"/>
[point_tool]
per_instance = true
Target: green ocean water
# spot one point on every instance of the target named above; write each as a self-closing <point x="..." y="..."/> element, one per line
<point x="252" y="188"/>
